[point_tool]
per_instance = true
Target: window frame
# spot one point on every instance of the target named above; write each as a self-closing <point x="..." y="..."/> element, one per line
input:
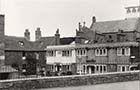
<point x="51" y="53"/>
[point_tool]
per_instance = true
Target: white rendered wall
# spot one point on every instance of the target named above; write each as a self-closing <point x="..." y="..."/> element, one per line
<point x="59" y="58"/>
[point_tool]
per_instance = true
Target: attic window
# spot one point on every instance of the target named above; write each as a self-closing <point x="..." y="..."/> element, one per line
<point x="21" y="43"/>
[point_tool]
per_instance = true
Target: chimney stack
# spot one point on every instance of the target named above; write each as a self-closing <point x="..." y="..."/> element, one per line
<point x="2" y="29"/>
<point x="27" y="34"/>
<point x="80" y="26"/>
<point x="2" y="48"/>
<point x="84" y="24"/>
<point x="37" y="34"/>
<point x="93" y="19"/>
<point x="57" y="37"/>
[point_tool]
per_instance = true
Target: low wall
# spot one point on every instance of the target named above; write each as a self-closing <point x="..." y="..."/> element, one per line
<point x="64" y="81"/>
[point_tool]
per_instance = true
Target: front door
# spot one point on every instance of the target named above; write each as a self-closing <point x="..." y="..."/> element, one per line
<point x="90" y="69"/>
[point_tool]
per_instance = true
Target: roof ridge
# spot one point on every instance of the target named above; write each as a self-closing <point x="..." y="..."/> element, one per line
<point x="14" y="36"/>
<point x="117" y="20"/>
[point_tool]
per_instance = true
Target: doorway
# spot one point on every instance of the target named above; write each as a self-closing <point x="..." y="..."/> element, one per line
<point x="90" y="69"/>
<point x="58" y="68"/>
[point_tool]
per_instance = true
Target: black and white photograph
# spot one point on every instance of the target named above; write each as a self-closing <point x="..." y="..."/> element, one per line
<point x="69" y="44"/>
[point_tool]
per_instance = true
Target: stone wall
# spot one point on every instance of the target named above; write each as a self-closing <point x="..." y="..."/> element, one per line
<point x="64" y="81"/>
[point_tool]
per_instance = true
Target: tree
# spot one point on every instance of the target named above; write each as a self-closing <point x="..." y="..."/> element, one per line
<point x="15" y="66"/>
<point x="30" y="65"/>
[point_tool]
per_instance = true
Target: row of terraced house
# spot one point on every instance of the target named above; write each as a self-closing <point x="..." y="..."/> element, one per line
<point x="107" y="46"/>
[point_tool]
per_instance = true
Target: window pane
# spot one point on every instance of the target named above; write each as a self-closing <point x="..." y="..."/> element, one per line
<point x="123" y="51"/>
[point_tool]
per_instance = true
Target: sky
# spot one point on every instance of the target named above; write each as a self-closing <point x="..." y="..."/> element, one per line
<point x="63" y="14"/>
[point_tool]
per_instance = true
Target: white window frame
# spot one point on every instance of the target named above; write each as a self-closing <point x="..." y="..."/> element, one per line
<point x="126" y="51"/>
<point x="51" y="53"/>
<point x="121" y="68"/>
<point x="66" y="53"/>
<point x="100" y="52"/>
<point x="81" y="52"/>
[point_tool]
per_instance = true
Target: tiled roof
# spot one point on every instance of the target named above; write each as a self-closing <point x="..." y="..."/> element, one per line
<point x="18" y="43"/>
<point x="116" y="44"/>
<point x="5" y="69"/>
<point x="43" y="42"/>
<point x="21" y="43"/>
<point x="114" y="26"/>
<point x="66" y="40"/>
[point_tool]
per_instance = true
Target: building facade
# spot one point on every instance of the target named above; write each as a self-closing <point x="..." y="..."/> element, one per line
<point x="108" y="46"/>
<point x="6" y="71"/>
<point x="109" y="57"/>
<point x="61" y="58"/>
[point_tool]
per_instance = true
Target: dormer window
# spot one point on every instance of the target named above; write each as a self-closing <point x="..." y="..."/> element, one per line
<point x="21" y="43"/>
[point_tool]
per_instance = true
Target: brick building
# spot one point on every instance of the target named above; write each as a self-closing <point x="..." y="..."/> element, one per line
<point x="29" y="57"/>
<point x="107" y="46"/>
<point x="6" y="71"/>
<point x="111" y="45"/>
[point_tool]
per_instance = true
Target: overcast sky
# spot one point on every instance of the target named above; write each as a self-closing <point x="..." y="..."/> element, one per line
<point x="63" y="14"/>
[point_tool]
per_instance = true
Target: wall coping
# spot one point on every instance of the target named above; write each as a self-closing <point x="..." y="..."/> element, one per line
<point x="72" y="76"/>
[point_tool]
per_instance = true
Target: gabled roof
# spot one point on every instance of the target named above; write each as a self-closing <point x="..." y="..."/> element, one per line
<point x="113" y="26"/>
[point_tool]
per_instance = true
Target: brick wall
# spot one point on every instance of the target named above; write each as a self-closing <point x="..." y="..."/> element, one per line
<point x="51" y="82"/>
<point x="2" y="40"/>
